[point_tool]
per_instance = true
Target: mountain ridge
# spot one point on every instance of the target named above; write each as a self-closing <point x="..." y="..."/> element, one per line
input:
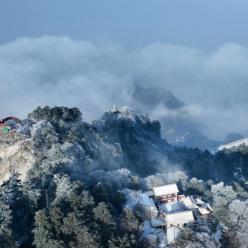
<point x="234" y="145"/>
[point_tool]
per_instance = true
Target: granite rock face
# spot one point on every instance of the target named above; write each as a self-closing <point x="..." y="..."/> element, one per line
<point x="15" y="157"/>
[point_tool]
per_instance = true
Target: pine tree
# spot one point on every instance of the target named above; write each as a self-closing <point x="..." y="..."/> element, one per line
<point x="42" y="231"/>
<point x="6" y="235"/>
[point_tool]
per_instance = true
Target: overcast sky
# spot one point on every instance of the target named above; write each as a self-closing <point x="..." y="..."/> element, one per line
<point x="197" y="23"/>
<point x="89" y="53"/>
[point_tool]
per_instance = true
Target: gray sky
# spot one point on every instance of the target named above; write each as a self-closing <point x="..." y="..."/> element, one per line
<point x="198" y="23"/>
<point x="90" y="53"/>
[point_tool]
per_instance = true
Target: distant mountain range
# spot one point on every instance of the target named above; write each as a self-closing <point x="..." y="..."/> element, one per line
<point x="178" y="129"/>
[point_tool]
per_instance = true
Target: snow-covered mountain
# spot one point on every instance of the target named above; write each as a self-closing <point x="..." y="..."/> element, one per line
<point x="68" y="166"/>
<point x="178" y="129"/>
<point x="121" y="138"/>
<point x="234" y="145"/>
<point x="57" y="138"/>
<point x="177" y="125"/>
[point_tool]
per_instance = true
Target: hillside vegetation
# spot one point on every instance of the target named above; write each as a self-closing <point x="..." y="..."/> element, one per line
<point x="62" y="182"/>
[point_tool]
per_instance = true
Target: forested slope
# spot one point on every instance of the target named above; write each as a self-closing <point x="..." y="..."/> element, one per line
<point x="69" y="195"/>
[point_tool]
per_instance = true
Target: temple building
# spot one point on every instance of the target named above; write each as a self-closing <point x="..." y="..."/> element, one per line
<point x="166" y="193"/>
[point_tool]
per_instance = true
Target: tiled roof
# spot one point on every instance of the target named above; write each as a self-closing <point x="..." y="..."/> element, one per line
<point x="166" y="189"/>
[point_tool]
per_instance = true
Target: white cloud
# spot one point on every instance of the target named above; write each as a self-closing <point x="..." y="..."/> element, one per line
<point x="62" y="71"/>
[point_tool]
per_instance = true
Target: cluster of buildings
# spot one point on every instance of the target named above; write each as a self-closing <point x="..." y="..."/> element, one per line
<point x="9" y="125"/>
<point x="165" y="212"/>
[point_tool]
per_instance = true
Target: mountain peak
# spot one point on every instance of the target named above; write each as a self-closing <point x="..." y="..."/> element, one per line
<point x="127" y="118"/>
<point x="154" y="96"/>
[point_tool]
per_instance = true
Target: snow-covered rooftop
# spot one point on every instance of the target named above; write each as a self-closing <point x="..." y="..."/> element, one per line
<point x="172" y="207"/>
<point x="165" y="190"/>
<point x="203" y="211"/>
<point x="188" y="203"/>
<point x="180" y="218"/>
<point x="199" y="201"/>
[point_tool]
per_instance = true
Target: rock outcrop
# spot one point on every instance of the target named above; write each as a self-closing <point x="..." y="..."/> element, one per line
<point x="15" y="156"/>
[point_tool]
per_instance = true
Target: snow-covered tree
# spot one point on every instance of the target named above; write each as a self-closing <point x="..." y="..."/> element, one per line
<point x="222" y="196"/>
